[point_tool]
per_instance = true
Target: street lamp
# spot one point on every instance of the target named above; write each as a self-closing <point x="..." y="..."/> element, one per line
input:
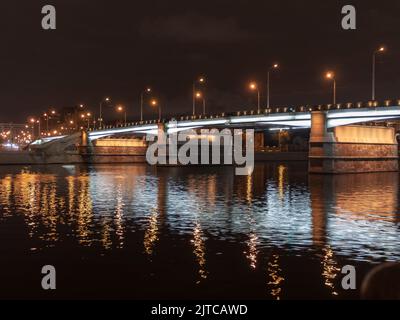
<point x="331" y="76"/>
<point x="199" y="80"/>
<point x="83" y="117"/>
<point x="47" y="121"/>
<point x="47" y="116"/>
<point x="101" y="111"/>
<point x="148" y="90"/>
<point x="39" y="133"/>
<point x="122" y="109"/>
<point x="254" y="87"/>
<point x="155" y="103"/>
<point x="88" y="119"/>
<point x="199" y="95"/>
<point x="273" y="67"/>
<point x="33" y="121"/>
<point x="380" y="50"/>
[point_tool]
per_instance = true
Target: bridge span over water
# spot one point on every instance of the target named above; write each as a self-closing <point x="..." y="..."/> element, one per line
<point x="291" y="119"/>
<point x="284" y="117"/>
<point x="338" y="142"/>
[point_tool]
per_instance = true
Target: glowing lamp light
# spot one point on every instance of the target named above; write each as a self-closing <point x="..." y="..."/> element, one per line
<point x="330" y="75"/>
<point x="253" y="86"/>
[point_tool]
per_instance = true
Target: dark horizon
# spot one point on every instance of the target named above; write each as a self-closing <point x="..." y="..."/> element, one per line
<point x="116" y="49"/>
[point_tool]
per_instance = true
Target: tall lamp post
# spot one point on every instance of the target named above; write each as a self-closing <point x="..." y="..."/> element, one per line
<point x="89" y="114"/>
<point x="148" y="90"/>
<point x="155" y="103"/>
<point x="273" y="67"/>
<point x="47" y="122"/>
<point x="380" y="50"/>
<point x="83" y="116"/>
<point x="199" y="95"/>
<point x="51" y="113"/>
<point x="86" y="116"/>
<point x="39" y="133"/>
<point x="122" y="109"/>
<point x="101" y="111"/>
<point x="200" y="80"/>
<point x="254" y="87"/>
<point x="331" y="76"/>
<point x="33" y="121"/>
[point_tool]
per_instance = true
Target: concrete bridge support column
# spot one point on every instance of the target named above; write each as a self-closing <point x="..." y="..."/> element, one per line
<point x="84" y="139"/>
<point x="351" y="149"/>
<point x="162" y="137"/>
<point x="318" y="136"/>
<point x="258" y="141"/>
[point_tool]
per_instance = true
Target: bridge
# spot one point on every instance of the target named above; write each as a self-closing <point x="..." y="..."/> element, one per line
<point x="338" y="143"/>
<point x="292" y="117"/>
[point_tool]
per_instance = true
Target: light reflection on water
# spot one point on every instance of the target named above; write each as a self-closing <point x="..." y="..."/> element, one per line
<point x="278" y="211"/>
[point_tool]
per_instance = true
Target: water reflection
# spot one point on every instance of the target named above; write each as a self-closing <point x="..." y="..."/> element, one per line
<point x="83" y="213"/>
<point x="275" y="277"/>
<point x="356" y="214"/>
<point x="252" y="251"/>
<point x="279" y="209"/>
<point x="151" y="233"/>
<point x="5" y="194"/>
<point x="330" y="269"/>
<point x="199" y="251"/>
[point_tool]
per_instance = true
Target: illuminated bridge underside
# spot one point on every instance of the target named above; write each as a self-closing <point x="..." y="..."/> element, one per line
<point x="342" y="149"/>
<point x="351" y="149"/>
<point x="334" y="118"/>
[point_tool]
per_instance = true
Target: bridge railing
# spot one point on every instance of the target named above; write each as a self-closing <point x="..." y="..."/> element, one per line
<point x="267" y="111"/>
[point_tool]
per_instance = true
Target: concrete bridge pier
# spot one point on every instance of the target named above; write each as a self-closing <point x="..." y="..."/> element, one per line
<point x="85" y="142"/>
<point x="351" y="149"/>
<point x="162" y="138"/>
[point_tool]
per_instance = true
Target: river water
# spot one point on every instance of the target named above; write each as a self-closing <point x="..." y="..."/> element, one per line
<point x="140" y="232"/>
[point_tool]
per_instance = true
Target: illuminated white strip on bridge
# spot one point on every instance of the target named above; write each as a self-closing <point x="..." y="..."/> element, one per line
<point x="335" y="118"/>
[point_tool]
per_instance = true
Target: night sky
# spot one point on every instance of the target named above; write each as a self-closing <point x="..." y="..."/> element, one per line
<point x="115" y="48"/>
